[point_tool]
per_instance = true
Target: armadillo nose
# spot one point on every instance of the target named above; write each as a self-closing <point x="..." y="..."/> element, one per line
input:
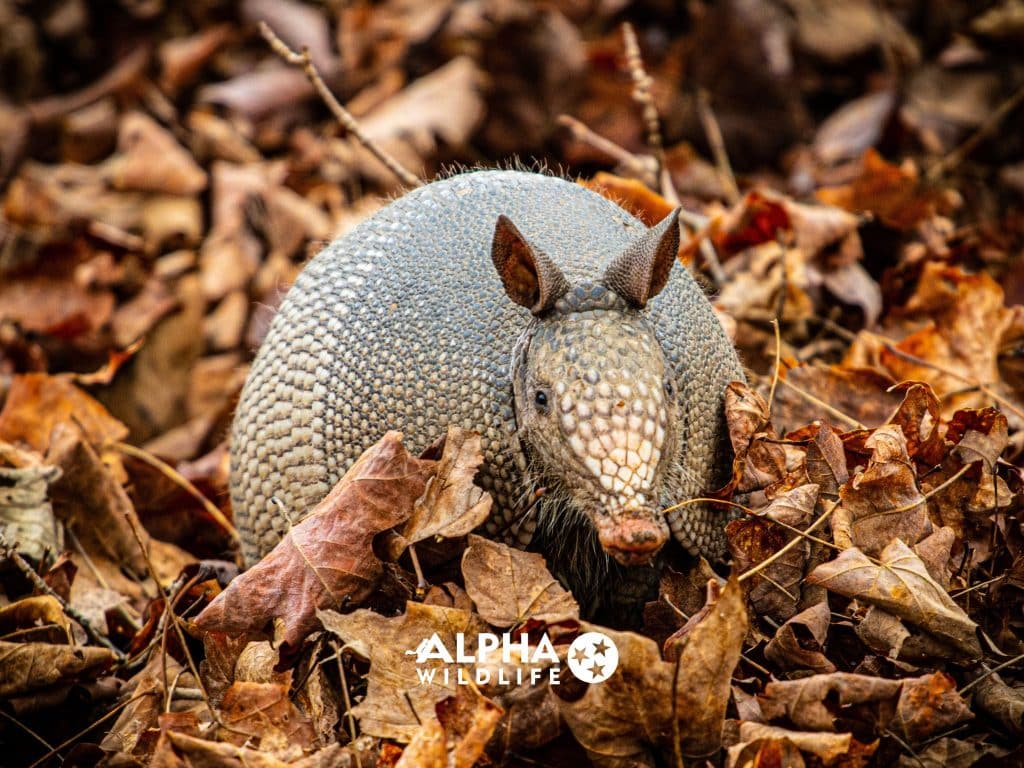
<point x="633" y="538"/>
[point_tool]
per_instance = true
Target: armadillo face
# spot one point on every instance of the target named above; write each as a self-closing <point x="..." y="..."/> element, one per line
<point x="599" y="414"/>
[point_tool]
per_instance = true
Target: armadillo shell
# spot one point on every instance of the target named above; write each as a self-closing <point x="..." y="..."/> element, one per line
<point x="403" y="324"/>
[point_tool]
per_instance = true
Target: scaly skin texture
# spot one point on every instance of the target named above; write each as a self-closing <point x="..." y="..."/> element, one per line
<point x="405" y="324"/>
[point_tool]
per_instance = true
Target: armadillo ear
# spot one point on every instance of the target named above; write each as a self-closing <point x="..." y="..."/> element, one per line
<point x="529" y="275"/>
<point x="640" y="272"/>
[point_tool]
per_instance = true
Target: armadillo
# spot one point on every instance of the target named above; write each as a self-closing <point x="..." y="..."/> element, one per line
<point x="534" y="311"/>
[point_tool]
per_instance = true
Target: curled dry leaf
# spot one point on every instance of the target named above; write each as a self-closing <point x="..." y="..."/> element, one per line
<point x="883" y="502"/>
<point x="758" y="461"/>
<point x="800" y="642"/>
<point x="37" y="402"/>
<point x="509" y="586"/>
<point x="637" y="706"/>
<point x="928" y="705"/>
<point x="397" y="699"/>
<point x="469" y="718"/>
<point x="900" y="584"/>
<point x="811" y="701"/>
<point x="776" y="589"/>
<point x="828" y="747"/>
<point x="452" y="505"/>
<point x="29" y="667"/>
<point x="426" y="749"/>
<point x="326" y="560"/>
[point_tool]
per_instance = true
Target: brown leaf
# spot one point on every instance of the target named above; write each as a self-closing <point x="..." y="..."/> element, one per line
<point x="452" y="505"/>
<point x="929" y="705"/>
<point x="426" y="749"/>
<point x="264" y="712"/>
<point x="901" y="585"/>
<point x="968" y="322"/>
<point x="800" y="642"/>
<point x="758" y="461"/>
<point x="509" y="586"/>
<point x="326" y="560"/>
<point x="29" y="667"/>
<point x="637" y="706"/>
<point x="892" y="193"/>
<point x="397" y="700"/>
<point x="775" y="590"/>
<point x="149" y="159"/>
<point x="469" y="719"/>
<point x="37" y="402"/>
<point x="883" y="502"/>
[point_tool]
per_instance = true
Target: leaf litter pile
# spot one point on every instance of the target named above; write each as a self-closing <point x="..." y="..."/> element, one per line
<point x="852" y="176"/>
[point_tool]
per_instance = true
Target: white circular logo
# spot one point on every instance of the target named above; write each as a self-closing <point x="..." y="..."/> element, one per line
<point x="593" y="657"/>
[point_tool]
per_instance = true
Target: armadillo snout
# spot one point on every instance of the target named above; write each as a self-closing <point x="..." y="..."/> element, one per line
<point x="631" y="536"/>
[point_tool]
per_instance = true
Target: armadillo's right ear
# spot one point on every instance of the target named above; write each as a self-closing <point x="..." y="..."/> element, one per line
<point x="530" y="277"/>
<point x="640" y="272"/>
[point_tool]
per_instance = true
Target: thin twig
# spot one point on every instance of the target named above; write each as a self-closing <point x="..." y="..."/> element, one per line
<point x="133" y="523"/>
<point x="640" y="167"/>
<point x="177" y="478"/>
<point x="792" y="543"/>
<point x="822" y="404"/>
<point x="714" y="136"/>
<point x="990" y="672"/>
<point x="342" y="115"/>
<point x="37" y="581"/>
<point x="958" y="155"/>
<point x="71" y="740"/>
<point x="642" y="95"/>
<point x="983" y="388"/>
<point x="778" y="366"/>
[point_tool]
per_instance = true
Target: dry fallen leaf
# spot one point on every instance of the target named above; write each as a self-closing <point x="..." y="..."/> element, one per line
<point x="509" y="586"/>
<point x="800" y="642"/>
<point x="646" y="699"/>
<point x="900" y="584"/>
<point x="397" y="700"/>
<point x="30" y="667"/>
<point x="883" y="502"/>
<point x="326" y="560"/>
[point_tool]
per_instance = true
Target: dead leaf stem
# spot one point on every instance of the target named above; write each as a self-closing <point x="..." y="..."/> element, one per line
<point x="960" y="153"/>
<point x="714" y="136"/>
<point x="822" y="404"/>
<point x="642" y="83"/>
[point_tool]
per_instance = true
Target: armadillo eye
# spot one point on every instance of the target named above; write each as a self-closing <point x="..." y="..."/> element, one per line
<point x="540" y="399"/>
<point x="670" y="388"/>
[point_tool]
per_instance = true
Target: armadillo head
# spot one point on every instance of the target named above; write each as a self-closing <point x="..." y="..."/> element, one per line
<point x="596" y="406"/>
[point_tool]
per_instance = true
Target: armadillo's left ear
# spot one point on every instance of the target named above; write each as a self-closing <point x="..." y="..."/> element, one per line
<point x="530" y="277"/>
<point x="640" y="272"/>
